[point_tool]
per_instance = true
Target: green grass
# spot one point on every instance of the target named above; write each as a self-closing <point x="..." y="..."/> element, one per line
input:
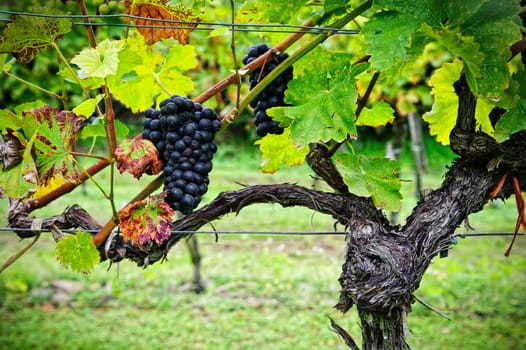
<point x="263" y="292"/>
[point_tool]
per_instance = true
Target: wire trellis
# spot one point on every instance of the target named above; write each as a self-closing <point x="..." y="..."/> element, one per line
<point x="247" y="232"/>
<point x="193" y="25"/>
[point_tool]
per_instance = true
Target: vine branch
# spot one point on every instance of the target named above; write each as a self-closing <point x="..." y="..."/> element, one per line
<point x="343" y="208"/>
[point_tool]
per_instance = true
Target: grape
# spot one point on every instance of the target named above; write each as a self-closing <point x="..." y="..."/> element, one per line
<point x="113" y="5"/>
<point x="104" y="9"/>
<point x="183" y="132"/>
<point x="273" y="95"/>
<point x="121" y="8"/>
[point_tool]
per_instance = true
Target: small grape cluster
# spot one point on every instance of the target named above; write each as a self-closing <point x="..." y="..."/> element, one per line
<point x="183" y="132"/>
<point x="105" y="7"/>
<point x="273" y="95"/>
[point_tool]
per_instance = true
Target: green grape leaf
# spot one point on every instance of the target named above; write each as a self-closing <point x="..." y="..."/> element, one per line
<point x="15" y="182"/>
<point x="147" y="221"/>
<point x="87" y="107"/>
<point x="137" y="157"/>
<point x="460" y="46"/>
<point x="514" y="119"/>
<point x="443" y="115"/>
<point x="323" y="100"/>
<point x="97" y="129"/>
<point x="492" y="24"/>
<point x="379" y="114"/>
<point x="264" y="11"/>
<point x="25" y="36"/>
<point x="279" y="149"/>
<point x="78" y="252"/>
<point x="480" y="32"/>
<point x="150" y="77"/>
<point x="100" y="61"/>
<point x="373" y="177"/>
<point x="9" y="120"/>
<point x="388" y="35"/>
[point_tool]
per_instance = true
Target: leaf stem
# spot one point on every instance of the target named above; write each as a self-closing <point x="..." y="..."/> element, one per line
<point x="18" y="254"/>
<point x="73" y="74"/>
<point x="34" y="86"/>
<point x="233" y="48"/>
<point x="91" y="178"/>
<point x="87" y="155"/>
<point x="160" y="83"/>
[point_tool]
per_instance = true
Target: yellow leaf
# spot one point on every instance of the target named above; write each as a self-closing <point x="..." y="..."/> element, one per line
<point x="55" y="182"/>
<point x="279" y="149"/>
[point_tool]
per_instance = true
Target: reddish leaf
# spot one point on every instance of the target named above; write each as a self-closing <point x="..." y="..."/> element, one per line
<point x="146" y="221"/>
<point x="55" y="137"/>
<point x="137" y="156"/>
<point x="159" y="10"/>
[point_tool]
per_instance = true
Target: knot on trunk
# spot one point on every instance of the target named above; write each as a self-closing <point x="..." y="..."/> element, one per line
<point x="376" y="274"/>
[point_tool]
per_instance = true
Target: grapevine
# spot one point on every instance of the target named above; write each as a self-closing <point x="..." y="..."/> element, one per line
<point x="273" y="95"/>
<point x="183" y="133"/>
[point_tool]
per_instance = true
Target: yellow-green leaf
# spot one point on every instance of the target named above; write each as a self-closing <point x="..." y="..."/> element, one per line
<point x="100" y="61"/>
<point x="78" y="252"/>
<point x="87" y="107"/>
<point x="379" y="114"/>
<point x="443" y="115"/>
<point x="14" y="183"/>
<point x="279" y="149"/>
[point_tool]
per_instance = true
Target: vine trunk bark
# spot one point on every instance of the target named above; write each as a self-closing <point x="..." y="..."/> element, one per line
<point x="384" y="330"/>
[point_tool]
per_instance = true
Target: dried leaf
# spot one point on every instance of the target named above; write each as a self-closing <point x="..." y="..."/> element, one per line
<point x="174" y="27"/>
<point x="147" y="221"/>
<point x="137" y="157"/>
<point x="10" y="152"/>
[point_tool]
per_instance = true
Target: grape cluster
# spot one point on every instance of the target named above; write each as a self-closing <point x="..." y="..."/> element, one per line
<point x="273" y="95"/>
<point x="183" y="132"/>
<point x="105" y="7"/>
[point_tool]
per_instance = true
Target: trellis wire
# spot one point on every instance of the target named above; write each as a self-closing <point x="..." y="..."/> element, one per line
<point x="246" y="232"/>
<point x="178" y="24"/>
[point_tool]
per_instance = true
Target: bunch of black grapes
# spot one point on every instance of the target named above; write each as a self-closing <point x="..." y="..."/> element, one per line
<point x="273" y="95"/>
<point x="183" y="132"/>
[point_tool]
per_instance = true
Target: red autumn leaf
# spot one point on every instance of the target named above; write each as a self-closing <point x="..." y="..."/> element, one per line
<point x="56" y="133"/>
<point x="154" y="30"/>
<point x="138" y="156"/>
<point x="147" y="221"/>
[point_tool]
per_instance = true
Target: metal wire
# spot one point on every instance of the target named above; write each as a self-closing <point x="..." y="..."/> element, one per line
<point x="178" y="24"/>
<point x="245" y="232"/>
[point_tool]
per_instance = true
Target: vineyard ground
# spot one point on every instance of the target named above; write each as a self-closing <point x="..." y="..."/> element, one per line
<point x="263" y="292"/>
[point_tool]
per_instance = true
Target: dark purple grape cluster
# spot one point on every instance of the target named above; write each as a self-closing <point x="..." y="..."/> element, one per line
<point x="183" y="132"/>
<point x="273" y="95"/>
